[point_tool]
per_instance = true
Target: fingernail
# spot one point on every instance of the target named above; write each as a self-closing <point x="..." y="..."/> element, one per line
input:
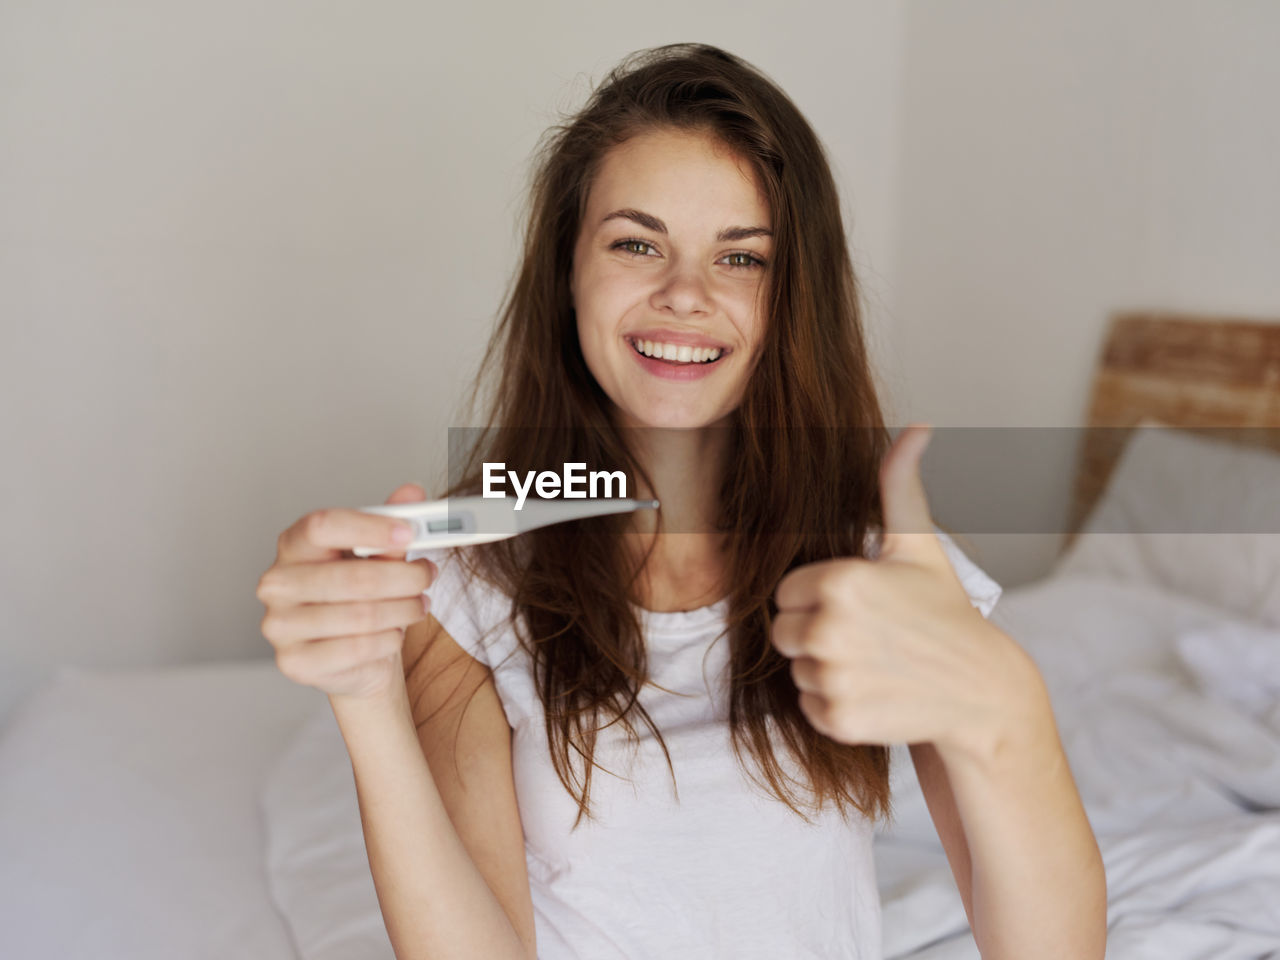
<point x="402" y="533"/>
<point x="426" y="603"/>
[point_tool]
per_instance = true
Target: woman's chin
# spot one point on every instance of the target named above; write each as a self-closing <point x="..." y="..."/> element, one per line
<point x="674" y="421"/>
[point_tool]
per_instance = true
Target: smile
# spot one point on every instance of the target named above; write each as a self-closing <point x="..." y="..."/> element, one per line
<point x="676" y="353"/>
<point x="687" y="363"/>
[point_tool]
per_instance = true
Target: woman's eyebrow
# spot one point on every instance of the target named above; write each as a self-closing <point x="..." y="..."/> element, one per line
<point x="650" y="222"/>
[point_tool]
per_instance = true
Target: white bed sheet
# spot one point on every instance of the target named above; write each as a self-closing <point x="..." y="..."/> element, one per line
<point x="129" y="819"/>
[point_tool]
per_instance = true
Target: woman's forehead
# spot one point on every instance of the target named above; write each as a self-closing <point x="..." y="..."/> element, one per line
<point x="675" y="175"/>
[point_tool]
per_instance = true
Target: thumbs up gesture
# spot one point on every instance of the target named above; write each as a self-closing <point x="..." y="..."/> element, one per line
<point x="891" y="650"/>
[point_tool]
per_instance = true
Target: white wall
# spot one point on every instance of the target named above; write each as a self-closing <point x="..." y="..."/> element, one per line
<point x="249" y="254"/>
<point x="1060" y="162"/>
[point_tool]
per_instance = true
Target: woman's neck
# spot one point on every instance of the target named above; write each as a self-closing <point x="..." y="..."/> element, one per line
<point x="685" y="568"/>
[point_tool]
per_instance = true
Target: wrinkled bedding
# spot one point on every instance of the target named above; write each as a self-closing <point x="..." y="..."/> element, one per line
<point x="1168" y="713"/>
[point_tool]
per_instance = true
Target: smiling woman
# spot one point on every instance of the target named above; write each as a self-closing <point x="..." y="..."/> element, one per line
<point x="686" y="312"/>
<point x="691" y="280"/>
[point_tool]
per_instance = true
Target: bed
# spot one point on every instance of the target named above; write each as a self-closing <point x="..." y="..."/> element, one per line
<point x="208" y="810"/>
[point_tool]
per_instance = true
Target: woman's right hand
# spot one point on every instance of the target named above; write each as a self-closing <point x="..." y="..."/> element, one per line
<point x="337" y="621"/>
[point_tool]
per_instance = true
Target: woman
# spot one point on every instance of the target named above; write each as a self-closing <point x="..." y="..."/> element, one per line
<point x="685" y="311"/>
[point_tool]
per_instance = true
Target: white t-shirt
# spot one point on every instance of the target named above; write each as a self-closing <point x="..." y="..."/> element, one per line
<point x="726" y="872"/>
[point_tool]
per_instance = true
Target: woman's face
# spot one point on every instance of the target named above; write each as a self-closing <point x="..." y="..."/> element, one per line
<point x="670" y="262"/>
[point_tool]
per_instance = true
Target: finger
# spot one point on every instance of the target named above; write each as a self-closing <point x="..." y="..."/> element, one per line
<point x="810" y="675"/>
<point x="308" y="662"/>
<point x="405" y="493"/>
<point x="902" y="494"/>
<point x="342" y="581"/>
<point x="325" y="534"/>
<point x="819" y="711"/>
<point x="802" y="588"/>
<point x="316" y="621"/>
<point x="791" y="633"/>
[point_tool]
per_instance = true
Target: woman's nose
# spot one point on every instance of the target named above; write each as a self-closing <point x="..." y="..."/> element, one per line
<point x="683" y="290"/>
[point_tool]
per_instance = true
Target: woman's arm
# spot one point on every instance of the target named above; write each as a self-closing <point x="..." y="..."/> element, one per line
<point x="435" y="902"/>
<point x="1016" y="835"/>
<point x="892" y="650"/>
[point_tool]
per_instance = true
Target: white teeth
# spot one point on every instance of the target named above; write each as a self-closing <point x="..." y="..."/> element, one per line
<point x="680" y="353"/>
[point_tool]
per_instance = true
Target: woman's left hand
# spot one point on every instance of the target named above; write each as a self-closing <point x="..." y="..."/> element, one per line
<point x="891" y="650"/>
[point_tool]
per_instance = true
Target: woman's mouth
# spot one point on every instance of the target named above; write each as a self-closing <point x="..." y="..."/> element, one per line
<point x="678" y="362"/>
<point x="676" y="354"/>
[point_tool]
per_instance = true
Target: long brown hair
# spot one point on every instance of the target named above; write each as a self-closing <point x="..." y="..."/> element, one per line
<point x="806" y="442"/>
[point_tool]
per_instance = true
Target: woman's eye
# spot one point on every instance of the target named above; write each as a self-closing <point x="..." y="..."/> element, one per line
<point x="747" y="260"/>
<point x="626" y="244"/>
<point x="738" y="261"/>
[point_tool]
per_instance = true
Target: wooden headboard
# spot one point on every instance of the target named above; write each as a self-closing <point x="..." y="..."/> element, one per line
<point x="1198" y="373"/>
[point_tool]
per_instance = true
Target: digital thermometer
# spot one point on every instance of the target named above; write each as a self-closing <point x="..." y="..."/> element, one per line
<point x="463" y="521"/>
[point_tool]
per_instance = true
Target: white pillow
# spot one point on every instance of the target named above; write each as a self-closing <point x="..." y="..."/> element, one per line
<point x="1180" y="512"/>
<point x="317" y="865"/>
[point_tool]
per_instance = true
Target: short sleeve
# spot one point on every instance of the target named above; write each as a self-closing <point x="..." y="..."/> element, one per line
<point x="477" y="615"/>
<point x="471" y="613"/>
<point x="983" y="591"/>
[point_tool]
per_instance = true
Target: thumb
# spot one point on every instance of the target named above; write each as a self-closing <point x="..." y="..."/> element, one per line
<point x="407" y="493"/>
<point x="902" y="495"/>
